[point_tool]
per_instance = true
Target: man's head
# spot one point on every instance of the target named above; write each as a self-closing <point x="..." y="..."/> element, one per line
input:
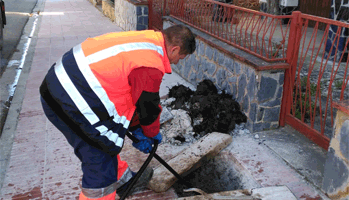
<point x="179" y="41"/>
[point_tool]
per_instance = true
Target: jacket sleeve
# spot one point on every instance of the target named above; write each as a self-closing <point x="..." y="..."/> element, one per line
<point x="145" y="85"/>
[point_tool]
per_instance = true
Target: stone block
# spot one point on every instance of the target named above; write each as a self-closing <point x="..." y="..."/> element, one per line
<point x="189" y="159"/>
<point x="245" y="104"/>
<point x="279" y="93"/>
<point x="267" y="89"/>
<point x="260" y="114"/>
<point x="281" y="79"/>
<point x="221" y="76"/>
<point x="108" y="9"/>
<point x="272" y="103"/>
<point x="201" y="48"/>
<point x="336" y="172"/>
<point x="344" y="139"/>
<point x="271" y="114"/>
<point x="211" y="68"/>
<point x="221" y="58"/>
<point x="237" y="67"/>
<point x="253" y="112"/>
<point x="216" y="55"/>
<point x="192" y="78"/>
<point x="209" y="52"/>
<point x="261" y="126"/>
<point x="200" y="75"/>
<point x="233" y="80"/>
<point x="242" y="87"/>
<point x="251" y="86"/>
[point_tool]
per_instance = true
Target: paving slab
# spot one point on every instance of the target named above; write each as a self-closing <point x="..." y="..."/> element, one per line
<point x="297" y="150"/>
<point x="208" y="146"/>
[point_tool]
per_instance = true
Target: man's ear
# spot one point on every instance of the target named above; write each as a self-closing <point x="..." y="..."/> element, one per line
<point x="175" y="49"/>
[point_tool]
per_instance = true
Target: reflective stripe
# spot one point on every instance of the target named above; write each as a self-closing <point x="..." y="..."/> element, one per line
<point x="99" y="193"/>
<point x="122" y="120"/>
<point x="92" y="80"/>
<point x="124" y="178"/>
<point x="114" y="137"/>
<point x="114" y="50"/>
<point x="74" y="94"/>
<point x="102" y="192"/>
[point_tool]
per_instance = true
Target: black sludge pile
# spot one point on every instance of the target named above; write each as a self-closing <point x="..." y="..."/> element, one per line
<point x="208" y="110"/>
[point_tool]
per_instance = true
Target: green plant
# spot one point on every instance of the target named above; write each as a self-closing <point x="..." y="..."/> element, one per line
<point x="338" y="84"/>
<point x="302" y="101"/>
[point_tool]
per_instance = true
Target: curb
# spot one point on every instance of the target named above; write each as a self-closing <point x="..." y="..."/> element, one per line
<point x="10" y="126"/>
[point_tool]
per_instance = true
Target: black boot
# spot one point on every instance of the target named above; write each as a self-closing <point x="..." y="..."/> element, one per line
<point x="142" y="182"/>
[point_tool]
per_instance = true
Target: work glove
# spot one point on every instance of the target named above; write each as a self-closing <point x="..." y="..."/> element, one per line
<point x="145" y="144"/>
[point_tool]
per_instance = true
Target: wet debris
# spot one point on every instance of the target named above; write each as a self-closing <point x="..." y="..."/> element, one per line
<point x="208" y="111"/>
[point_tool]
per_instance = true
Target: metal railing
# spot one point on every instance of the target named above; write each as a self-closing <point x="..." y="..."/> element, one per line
<point x="318" y="75"/>
<point x="257" y="33"/>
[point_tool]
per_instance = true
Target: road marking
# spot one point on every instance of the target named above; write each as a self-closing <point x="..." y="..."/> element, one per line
<point x="12" y="87"/>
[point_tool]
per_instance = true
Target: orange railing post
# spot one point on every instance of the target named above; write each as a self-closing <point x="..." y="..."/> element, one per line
<point x="291" y="58"/>
<point x="164" y="8"/>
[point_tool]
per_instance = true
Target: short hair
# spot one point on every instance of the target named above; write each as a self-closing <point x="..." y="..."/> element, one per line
<point x="182" y="36"/>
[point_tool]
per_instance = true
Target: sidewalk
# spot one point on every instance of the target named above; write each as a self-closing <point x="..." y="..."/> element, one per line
<point x="42" y="165"/>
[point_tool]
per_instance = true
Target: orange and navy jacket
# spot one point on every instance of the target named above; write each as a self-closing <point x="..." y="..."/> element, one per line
<point x="93" y="87"/>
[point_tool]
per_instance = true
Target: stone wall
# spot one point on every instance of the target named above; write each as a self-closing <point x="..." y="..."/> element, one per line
<point x="336" y="173"/>
<point x="108" y="9"/>
<point x="258" y="92"/>
<point x="131" y="15"/>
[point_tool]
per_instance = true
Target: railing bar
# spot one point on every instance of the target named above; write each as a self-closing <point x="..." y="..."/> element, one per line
<point x="312" y="116"/>
<point x="236" y="27"/>
<point x="298" y="81"/>
<point x="318" y="92"/>
<point x="325" y="20"/>
<point x="320" y="76"/>
<point x="301" y="65"/>
<point x="258" y="31"/>
<point x="344" y="84"/>
<point x="333" y="74"/>
<point x="272" y="31"/>
<point x="243" y="20"/>
<point x="266" y="29"/>
<point x="252" y="43"/>
<point x="246" y="29"/>
<point x="233" y="44"/>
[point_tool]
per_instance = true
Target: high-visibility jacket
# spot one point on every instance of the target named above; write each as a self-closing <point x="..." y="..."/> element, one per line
<point x="90" y="83"/>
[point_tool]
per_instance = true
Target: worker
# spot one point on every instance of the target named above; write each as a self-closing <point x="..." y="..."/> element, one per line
<point x="104" y="87"/>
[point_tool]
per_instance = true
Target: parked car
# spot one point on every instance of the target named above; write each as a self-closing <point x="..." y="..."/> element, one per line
<point x="2" y="25"/>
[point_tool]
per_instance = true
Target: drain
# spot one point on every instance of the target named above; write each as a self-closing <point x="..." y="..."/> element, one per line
<point x="215" y="175"/>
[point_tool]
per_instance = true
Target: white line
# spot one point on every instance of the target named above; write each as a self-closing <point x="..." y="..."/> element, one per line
<point x="12" y="87"/>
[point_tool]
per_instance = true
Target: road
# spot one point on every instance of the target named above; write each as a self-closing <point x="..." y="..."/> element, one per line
<point x="18" y="13"/>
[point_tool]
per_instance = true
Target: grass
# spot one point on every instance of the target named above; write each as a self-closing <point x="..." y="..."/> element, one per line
<point x="303" y="99"/>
